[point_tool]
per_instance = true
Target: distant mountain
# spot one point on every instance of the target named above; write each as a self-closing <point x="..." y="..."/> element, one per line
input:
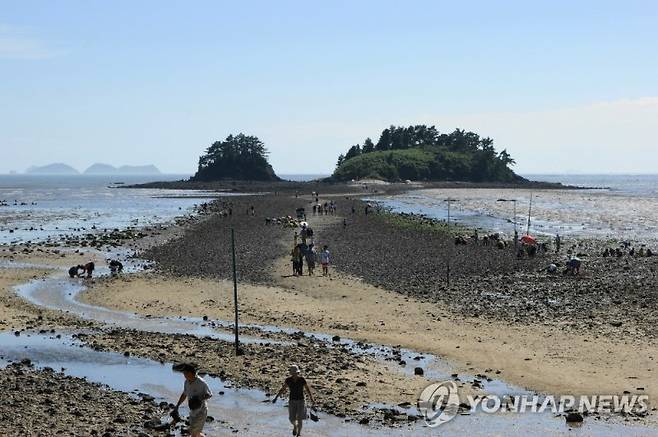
<point x="106" y="169"/>
<point x="53" y="169"/>
<point x="100" y="169"/>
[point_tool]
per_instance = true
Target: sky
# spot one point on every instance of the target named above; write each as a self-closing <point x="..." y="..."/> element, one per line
<point x="565" y="87"/>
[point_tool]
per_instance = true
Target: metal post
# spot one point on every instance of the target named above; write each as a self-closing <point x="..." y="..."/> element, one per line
<point x="235" y="294"/>
<point x="527" y="232"/>
<point x="448" y="212"/>
<point x="515" y="232"/>
<point x="448" y="201"/>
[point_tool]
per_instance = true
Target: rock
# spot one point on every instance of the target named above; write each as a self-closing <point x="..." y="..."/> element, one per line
<point x="146" y="398"/>
<point x="419" y="371"/>
<point x="155" y="424"/>
<point x="574" y="417"/>
<point x="335" y="338"/>
<point x="616" y="323"/>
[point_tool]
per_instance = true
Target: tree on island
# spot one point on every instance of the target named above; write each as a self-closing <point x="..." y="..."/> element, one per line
<point x="240" y="157"/>
<point x="423" y="153"/>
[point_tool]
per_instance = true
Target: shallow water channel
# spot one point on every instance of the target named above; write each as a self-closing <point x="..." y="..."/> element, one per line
<point x="246" y="410"/>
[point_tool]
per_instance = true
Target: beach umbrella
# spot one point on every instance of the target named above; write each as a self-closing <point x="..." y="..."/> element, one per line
<point x="303" y="224"/>
<point x="529" y="239"/>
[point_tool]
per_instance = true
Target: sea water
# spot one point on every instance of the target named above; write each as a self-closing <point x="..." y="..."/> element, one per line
<point x="611" y="207"/>
<point x="35" y="208"/>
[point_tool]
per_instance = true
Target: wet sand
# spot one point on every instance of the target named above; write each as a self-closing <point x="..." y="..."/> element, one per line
<point x="14" y="315"/>
<point x="542" y="357"/>
<point x="527" y="343"/>
<point x="575" y="213"/>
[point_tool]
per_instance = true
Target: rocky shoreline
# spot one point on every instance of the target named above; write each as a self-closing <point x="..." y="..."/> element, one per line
<point x="341" y="379"/>
<point x="205" y="247"/>
<point x="613" y="295"/>
<point x="328" y="186"/>
<point x="46" y="402"/>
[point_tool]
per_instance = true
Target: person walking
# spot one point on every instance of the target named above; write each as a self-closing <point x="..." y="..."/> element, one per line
<point x="197" y="392"/>
<point x="297" y="385"/>
<point x="300" y="260"/>
<point x="558" y="243"/>
<point x="295" y="255"/>
<point x="311" y="256"/>
<point x="325" y="259"/>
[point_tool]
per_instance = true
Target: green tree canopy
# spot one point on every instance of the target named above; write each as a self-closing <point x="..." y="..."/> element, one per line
<point x="241" y="157"/>
<point x="459" y="155"/>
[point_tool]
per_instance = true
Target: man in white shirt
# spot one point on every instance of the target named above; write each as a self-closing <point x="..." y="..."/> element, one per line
<point x="196" y="391"/>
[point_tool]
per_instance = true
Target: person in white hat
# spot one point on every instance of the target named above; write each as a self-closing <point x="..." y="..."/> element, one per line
<point x="296" y="405"/>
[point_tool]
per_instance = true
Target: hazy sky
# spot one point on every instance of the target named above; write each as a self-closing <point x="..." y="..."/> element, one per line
<point x="564" y="86"/>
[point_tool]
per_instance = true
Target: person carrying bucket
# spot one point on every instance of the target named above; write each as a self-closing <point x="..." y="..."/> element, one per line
<point x="297" y="385"/>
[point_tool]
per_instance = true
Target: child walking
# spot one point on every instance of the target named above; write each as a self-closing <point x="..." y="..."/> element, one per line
<point x="325" y="259"/>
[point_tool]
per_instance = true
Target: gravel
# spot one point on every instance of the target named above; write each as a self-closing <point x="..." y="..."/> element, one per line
<point x="43" y="402"/>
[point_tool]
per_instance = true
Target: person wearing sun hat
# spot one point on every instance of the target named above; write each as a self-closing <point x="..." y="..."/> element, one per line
<point x="196" y="392"/>
<point x="296" y="384"/>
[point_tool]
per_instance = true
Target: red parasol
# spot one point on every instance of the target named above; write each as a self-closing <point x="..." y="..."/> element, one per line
<point x="529" y="239"/>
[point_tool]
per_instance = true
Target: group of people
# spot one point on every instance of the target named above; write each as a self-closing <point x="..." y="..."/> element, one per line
<point x="324" y="208"/>
<point x="197" y="393"/>
<point x="82" y="270"/>
<point x="632" y="252"/>
<point x="572" y="266"/>
<point x="4" y="202"/>
<point x="305" y="250"/>
<point x="87" y="270"/>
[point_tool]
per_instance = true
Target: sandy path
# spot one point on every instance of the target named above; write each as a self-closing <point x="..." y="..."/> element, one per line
<point x="14" y="313"/>
<point x="19" y="267"/>
<point x="542" y="358"/>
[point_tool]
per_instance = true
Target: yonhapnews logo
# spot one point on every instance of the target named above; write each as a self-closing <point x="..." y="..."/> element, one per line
<point x="440" y="403"/>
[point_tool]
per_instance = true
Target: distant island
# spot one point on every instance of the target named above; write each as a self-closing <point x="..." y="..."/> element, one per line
<point x="53" y="169"/>
<point x="94" y="170"/>
<point x="422" y="153"/>
<point x="240" y="157"/>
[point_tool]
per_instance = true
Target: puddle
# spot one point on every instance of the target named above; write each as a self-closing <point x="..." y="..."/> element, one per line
<point x="245" y="410"/>
<point x="60" y="293"/>
<point x="398" y="359"/>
